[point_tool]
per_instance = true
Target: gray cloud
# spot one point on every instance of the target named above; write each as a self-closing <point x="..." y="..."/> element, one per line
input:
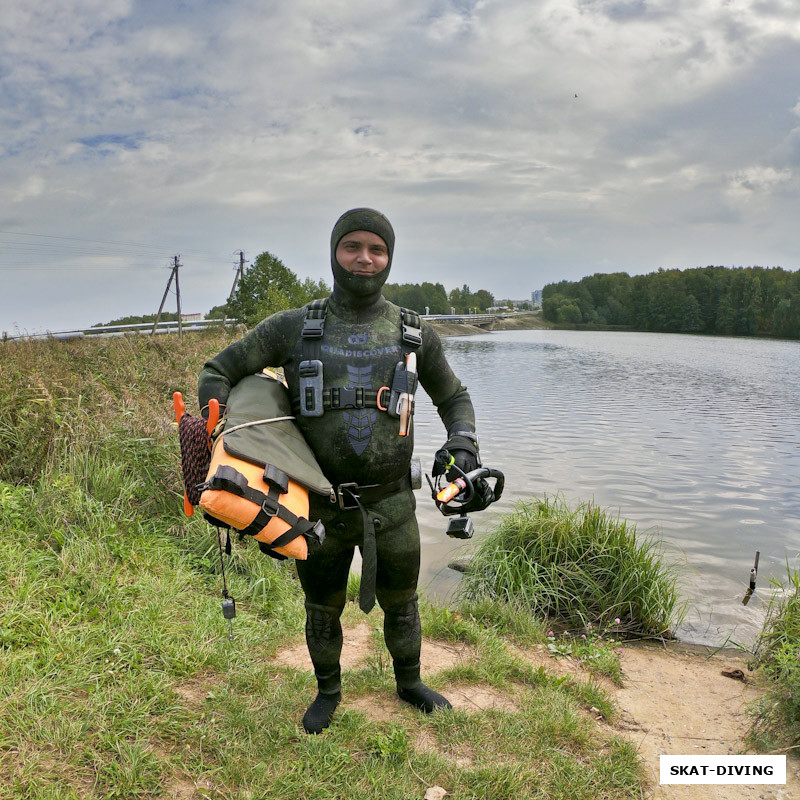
<point x="204" y="127"/>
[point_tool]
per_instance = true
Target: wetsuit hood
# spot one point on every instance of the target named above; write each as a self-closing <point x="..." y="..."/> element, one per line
<point x="360" y="290"/>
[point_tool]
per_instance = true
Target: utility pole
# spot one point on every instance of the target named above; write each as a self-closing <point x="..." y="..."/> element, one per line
<point x="236" y="278"/>
<point x="176" y="264"/>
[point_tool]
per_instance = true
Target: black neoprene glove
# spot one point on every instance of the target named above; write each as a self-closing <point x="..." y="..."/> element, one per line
<point x="463" y="447"/>
<point x="464" y="460"/>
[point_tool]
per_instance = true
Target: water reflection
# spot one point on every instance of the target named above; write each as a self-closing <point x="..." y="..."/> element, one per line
<point x="695" y="438"/>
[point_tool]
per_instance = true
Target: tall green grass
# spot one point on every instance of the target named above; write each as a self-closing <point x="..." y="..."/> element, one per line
<point x="95" y="395"/>
<point x="576" y="567"/>
<point x="777" y="653"/>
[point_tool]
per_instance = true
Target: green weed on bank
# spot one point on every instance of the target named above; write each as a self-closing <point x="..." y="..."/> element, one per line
<point x="575" y="567"/>
<point x="777" y="713"/>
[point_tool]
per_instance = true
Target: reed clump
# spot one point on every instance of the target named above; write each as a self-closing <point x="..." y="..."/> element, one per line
<point x="577" y="567"/>
<point x="94" y="395"/>
<point x="777" y="653"/>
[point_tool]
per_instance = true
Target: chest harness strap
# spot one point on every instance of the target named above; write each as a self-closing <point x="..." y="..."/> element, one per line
<point x="313" y="399"/>
<point x="310" y="369"/>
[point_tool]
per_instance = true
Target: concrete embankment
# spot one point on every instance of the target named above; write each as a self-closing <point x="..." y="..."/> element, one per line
<point x="521" y="322"/>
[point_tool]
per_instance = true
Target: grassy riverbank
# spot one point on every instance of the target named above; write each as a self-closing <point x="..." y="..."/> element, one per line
<point x="117" y="679"/>
<point x="777" y="725"/>
<point x="522" y="321"/>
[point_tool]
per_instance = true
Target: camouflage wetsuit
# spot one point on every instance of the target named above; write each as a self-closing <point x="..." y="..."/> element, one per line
<point x="361" y="346"/>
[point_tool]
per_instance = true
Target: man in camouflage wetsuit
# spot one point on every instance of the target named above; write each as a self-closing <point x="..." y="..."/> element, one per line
<point x="362" y="446"/>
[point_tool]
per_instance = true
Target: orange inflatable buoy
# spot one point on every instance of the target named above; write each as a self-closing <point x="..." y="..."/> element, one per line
<point x="262" y="471"/>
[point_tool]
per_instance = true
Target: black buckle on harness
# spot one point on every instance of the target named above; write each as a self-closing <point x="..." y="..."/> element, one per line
<point x="313" y="328"/>
<point x="310" y="372"/>
<point x="309" y="369"/>
<point x="412" y="336"/>
<point x="347" y="487"/>
<point x="347" y="397"/>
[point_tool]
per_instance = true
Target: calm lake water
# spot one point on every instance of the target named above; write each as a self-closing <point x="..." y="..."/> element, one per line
<point x="695" y="439"/>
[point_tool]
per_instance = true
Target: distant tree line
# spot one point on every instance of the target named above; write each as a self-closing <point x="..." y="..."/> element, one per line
<point x="268" y="286"/>
<point x="433" y="296"/>
<point x="743" y="301"/>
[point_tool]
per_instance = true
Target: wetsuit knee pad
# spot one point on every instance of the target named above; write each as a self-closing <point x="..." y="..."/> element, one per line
<point x="402" y="631"/>
<point x="323" y="633"/>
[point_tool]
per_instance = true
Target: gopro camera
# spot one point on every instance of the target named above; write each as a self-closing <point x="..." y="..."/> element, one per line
<point x="460" y="527"/>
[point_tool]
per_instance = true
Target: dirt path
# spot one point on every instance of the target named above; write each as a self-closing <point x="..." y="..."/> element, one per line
<point x="674" y="701"/>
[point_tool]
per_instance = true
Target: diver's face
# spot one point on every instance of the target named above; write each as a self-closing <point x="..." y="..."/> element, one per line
<point x="362" y="253"/>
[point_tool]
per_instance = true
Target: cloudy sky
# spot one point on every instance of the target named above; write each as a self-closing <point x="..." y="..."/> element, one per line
<point x="511" y="142"/>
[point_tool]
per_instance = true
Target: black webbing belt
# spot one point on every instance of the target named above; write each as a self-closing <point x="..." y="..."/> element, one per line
<point x="350" y="496"/>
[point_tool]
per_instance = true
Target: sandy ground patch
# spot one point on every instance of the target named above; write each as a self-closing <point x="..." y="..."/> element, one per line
<point x="179" y="789"/>
<point x="480" y="698"/>
<point x="183" y="788"/>
<point x="675" y="701"/>
<point x="196" y="690"/>
<point x="386" y="707"/>
<point x="376" y="707"/>
<point x="438" y="656"/>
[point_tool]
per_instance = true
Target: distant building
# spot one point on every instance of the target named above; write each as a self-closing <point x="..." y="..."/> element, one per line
<point x="536" y="298"/>
<point x="191" y="317"/>
<point x="511" y="305"/>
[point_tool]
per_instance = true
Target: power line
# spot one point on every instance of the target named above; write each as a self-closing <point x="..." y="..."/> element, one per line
<point x="48" y="250"/>
<point x="29" y="268"/>
<point x="19" y="266"/>
<point x="102" y="241"/>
